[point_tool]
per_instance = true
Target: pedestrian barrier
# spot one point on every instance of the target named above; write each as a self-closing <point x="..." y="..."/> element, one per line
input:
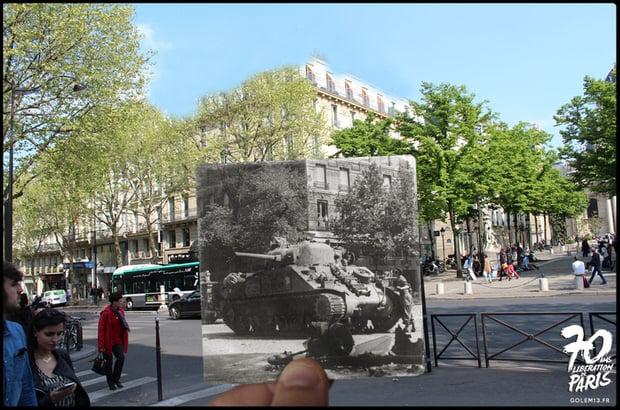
<point x="605" y="317"/>
<point x="454" y="336"/>
<point x="555" y="344"/>
<point x="457" y="334"/>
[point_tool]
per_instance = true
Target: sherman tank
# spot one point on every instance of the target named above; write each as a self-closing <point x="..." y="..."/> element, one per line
<point x="302" y="287"/>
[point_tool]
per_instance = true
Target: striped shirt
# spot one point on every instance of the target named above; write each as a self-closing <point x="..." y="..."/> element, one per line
<point x="51" y="383"/>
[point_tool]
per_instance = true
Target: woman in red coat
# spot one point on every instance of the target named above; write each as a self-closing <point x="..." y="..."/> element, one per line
<point x="113" y="338"/>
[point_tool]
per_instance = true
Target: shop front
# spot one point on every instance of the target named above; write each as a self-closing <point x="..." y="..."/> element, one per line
<point x="82" y="278"/>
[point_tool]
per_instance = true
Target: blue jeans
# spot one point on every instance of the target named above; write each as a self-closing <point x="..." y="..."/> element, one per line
<point x="596" y="270"/>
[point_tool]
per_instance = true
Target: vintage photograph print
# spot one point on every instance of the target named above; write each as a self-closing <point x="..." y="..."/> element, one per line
<point x="314" y="258"/>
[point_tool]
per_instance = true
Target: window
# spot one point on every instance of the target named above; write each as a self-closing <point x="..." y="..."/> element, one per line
<point x="352" y="117"/>
<point x="344" y="181"/>
<point x="310" y="75"/>
<point x="320" y="176"/>
<point x="172" y="239"/>
<point x="365" y="99"/>
<point x="316" y="146"/>
<point x="380" y="106"/>
<point x="335" y="122"/>
<point x="186" y="236"/>
<point x="330" y="83"/>
<point x="348" y="91"/>
<point x="146" y="243"/>
<point x="171" y="208"/>
<point x="593" y="208"/>
<point x="322" y="210"/>
<point x="185" y="206"/>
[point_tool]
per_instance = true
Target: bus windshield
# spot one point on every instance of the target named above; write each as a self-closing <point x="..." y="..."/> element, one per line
<point x="141" y="285"/>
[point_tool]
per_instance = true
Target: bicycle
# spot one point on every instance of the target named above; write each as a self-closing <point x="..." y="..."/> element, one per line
<point x="72" y="337"/>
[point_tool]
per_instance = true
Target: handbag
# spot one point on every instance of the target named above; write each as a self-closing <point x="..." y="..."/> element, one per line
<point x="99" y="364"/>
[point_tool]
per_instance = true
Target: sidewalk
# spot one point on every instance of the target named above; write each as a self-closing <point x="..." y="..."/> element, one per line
<point x="555" y="270"/>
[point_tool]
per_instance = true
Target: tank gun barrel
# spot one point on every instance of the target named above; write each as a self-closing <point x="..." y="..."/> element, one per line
<point x="277" y="258"/>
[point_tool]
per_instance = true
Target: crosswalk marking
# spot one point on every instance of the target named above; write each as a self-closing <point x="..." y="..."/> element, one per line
<point x="99" y="394"/>
<point x="97" y="379"/>
<point x="175" y="401"/>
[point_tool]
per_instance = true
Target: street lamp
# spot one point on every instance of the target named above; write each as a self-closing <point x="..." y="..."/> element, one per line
<point x="443" y="245"/>
<point x="8" y="211"/>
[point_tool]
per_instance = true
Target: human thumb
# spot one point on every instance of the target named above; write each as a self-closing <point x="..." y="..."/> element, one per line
<point x="303" y="382"/>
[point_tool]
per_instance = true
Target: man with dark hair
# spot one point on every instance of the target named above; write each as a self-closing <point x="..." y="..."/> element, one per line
<point x="17" y="383"/>
<point x="113" y="338"/>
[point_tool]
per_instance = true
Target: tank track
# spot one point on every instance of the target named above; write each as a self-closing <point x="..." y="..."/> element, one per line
<point x="278" y="316"/>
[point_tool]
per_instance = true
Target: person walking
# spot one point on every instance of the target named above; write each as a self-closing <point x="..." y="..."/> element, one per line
<point x="113" y="338"/>
<point x="585" y="248"/>
<point x="17" y="382"/>
<point x="595" y="264"/>
<point x="55" y="381"/>
<point x="487" y="271"/>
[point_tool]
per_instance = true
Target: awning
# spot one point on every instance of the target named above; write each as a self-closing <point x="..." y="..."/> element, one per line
<point x="79" y="265"/>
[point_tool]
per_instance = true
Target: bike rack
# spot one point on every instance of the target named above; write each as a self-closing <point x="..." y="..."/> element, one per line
<point x="455" y="337"/>
<point x="527" y="336"/>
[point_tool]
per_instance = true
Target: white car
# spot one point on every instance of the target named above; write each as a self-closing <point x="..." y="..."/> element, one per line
<point x="56" y="297"/>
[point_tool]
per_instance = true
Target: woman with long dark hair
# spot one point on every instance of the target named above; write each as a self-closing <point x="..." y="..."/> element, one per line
<point x="52" y="369"/>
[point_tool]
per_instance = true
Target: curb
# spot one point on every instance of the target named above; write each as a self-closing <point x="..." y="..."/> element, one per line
<point x="84" y="352"/>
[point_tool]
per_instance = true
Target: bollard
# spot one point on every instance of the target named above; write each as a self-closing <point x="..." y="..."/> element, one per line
<point x="544" y="284"/>
<point x="579" y="282"/>
<point x="468" y="288"/>
<point x="158" y="353"/>
<point x="439" y="287"/>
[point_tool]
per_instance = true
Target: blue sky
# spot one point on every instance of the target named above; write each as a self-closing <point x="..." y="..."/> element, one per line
<point x="526" y="59"/>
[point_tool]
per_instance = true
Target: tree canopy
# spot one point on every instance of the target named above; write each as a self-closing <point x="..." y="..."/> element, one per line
<point x="59" y="61"/>
<point x="270" y="116"/>
<point x="590" y="135"/>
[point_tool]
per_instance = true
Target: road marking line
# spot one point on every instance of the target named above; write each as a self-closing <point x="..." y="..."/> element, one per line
<point x="175" y="401"/>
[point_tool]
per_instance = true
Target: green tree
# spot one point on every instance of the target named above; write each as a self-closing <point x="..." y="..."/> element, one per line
<point x="377" y="221"/>
<point x="164" y="160"/>
<point x="590" y="135"/>
<point x="368" y="138"/>
<point x="256" y="205"/>
<point x="271" y="116"/>
<point x="519" y="161"/>
<point x="53" y="49"/>
<point x="442" y="128"/>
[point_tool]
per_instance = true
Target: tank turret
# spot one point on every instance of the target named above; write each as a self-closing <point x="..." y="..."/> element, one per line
<point x="303" y="285"/>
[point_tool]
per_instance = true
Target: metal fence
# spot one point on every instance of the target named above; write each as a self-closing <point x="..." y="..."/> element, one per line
<point x="512" y="336"/>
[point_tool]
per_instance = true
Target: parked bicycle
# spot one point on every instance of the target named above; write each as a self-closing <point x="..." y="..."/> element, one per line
<point x="72" y="338"/>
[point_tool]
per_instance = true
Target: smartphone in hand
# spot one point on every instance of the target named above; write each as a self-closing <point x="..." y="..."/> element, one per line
<point x="67" y="385"/>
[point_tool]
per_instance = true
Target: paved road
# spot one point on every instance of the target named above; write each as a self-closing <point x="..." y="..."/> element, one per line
<point x="504" y="384"/>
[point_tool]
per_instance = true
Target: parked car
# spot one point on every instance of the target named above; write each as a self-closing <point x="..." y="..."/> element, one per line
<point x="56" y="297"/>
<point x="187" y="306"/>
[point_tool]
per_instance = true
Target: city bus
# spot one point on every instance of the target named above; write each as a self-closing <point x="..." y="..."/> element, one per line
<point x="141" y="284"/>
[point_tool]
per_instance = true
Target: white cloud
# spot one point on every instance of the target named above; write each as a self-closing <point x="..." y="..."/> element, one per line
<point x="149" y="41"/>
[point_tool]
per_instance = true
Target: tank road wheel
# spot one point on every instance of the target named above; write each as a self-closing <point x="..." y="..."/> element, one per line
<point x="242" y="325"/>
<point x="228" y="316"/>
<point x="255" y="325"/>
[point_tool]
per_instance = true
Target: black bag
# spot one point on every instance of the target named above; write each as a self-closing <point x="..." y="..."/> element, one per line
<point x="99" y="364"/>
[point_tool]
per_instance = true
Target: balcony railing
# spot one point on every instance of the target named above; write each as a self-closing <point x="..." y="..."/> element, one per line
<point x="179" y="216"/>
